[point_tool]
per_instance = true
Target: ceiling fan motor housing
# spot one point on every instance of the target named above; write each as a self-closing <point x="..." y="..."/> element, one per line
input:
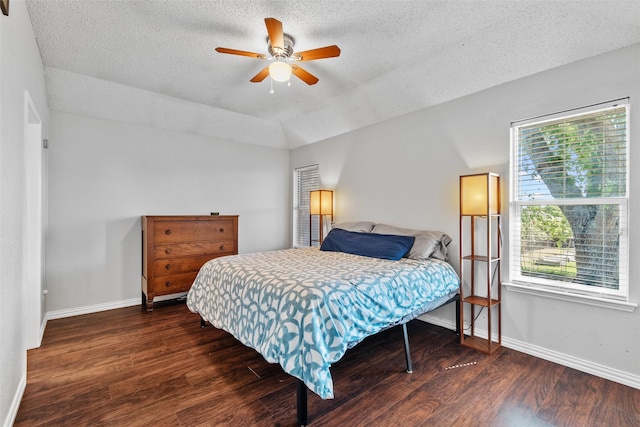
<point x="287" y="50"/>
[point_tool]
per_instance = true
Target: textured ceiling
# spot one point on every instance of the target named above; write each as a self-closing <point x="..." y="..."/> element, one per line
<point x="153" y="62"/>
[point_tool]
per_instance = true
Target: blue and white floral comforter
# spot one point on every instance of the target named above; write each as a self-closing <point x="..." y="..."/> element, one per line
<point x="303" y="308"/>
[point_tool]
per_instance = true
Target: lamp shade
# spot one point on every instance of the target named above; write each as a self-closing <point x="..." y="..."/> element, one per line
<point x="280" y="71"/>
<point x="480" y="194"/>
<point x="321" y="202"/>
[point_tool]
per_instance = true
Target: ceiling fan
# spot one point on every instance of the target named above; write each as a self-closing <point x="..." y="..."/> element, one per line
<point x="280" y="48"/>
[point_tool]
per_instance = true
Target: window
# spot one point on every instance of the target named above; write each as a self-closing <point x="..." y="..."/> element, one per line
<point x="569" y="198"/>
<point x="304" y="180"/>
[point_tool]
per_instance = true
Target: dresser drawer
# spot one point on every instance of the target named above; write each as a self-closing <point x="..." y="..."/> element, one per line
<point x="179" y="265"/>
<point x="226" y="247"/>
<point x="171" y="284"/>
<point x="193" y="231"/>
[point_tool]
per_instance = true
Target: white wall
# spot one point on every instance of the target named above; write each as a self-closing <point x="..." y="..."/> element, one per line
<point x="20" y="69"/>
<point x="405" y="172"/>
<point x="104" y="175"/>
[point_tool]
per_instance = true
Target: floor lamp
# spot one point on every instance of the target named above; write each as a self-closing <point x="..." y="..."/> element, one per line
<point x="321" y="204"/>
<point x="480" y="254"/>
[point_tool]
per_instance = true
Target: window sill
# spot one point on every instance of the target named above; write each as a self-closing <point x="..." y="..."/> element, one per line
<point x="572" y="297"/>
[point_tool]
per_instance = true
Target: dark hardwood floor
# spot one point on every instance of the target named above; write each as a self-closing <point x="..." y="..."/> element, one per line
<point x="127" y="367"/>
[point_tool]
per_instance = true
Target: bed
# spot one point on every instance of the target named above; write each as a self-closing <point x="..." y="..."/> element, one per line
<point x="304" y="308"/>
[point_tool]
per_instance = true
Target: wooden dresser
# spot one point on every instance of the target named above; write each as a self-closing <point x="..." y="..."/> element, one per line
<point x="175" y="247"/>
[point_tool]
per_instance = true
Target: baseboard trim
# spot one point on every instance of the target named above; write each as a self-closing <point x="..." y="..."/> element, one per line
<point x="586" y="366"/>
<point x="15" y="404"/>
<point x="438" y="321"/>
<point x="581" y="365"/>
<point x="59" y="314"/>
<point x="43" y="326"/>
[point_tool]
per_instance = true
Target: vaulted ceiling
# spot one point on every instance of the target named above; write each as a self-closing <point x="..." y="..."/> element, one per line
<point x="152" y="62"/>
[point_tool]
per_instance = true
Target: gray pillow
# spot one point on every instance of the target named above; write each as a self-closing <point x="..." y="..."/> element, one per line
<point x="428" y="244"/>
<point x="358" y="226"/>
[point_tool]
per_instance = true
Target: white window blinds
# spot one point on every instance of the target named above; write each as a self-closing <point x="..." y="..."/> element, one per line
<point x="305" y="180"/>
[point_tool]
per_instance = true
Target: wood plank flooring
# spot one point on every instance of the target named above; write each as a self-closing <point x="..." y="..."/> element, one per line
<point x="127" y="367"/>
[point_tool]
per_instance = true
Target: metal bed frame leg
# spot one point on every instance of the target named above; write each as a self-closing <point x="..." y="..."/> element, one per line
<point x="301" y="406"/>
<point x="407" y="353"/>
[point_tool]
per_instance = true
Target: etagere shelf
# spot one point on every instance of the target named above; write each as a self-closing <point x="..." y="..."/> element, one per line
<point x="480" y="256"/>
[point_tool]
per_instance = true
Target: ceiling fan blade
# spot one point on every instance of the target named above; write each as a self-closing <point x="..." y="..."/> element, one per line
<point x="274" y="29"/>
<point x="304" y="75"/>
<point x="240" y="52"/>
<point x="261" y="75"/>
<point x="319" y="53"/>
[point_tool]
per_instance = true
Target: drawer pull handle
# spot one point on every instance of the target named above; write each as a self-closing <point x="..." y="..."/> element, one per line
<point x="167" y="251"/>
<point x="222" y="230"/>
<point x="167" y="232"/>
<point x="168" y="266"/>
<point x="222" y="247"/>
<point x="167" y="283"/>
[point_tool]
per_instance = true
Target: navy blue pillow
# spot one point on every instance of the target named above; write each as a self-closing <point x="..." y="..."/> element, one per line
<point x="383" y="246"/>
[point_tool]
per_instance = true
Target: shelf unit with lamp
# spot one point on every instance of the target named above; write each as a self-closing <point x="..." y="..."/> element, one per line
<point x="480" y="256"/>
<point x="320" y="207"/>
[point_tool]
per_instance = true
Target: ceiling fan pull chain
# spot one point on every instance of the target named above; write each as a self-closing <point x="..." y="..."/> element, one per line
<point x="271" y="80"/>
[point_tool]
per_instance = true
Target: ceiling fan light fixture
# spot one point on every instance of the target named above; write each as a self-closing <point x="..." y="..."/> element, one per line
<point x="280" y="71"/>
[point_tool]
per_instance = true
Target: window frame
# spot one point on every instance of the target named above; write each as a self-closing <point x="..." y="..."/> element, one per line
<point x="516" y="276"/>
